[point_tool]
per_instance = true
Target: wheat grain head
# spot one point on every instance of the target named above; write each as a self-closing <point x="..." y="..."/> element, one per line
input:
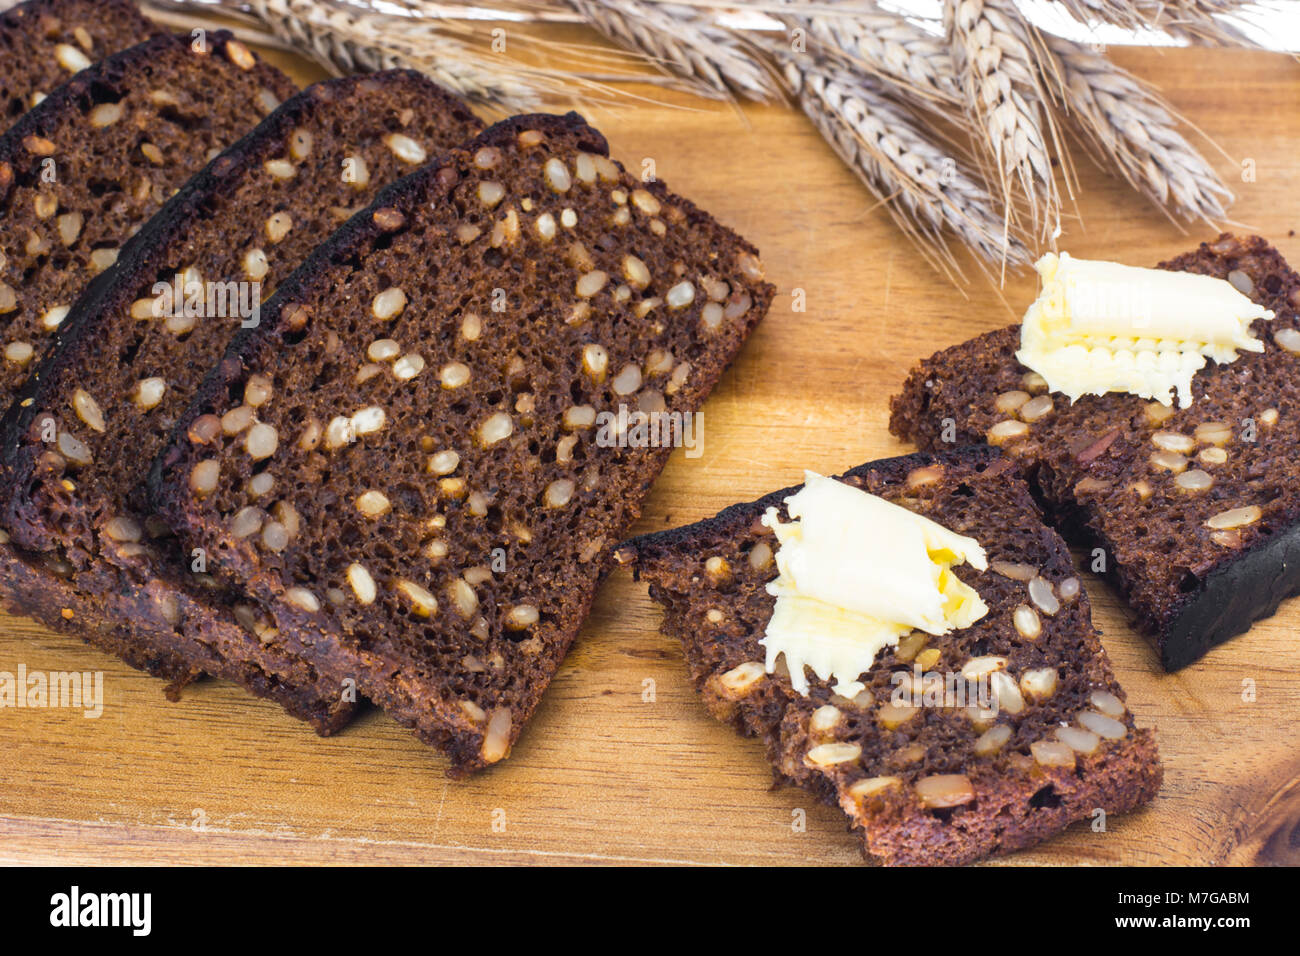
<point x="1127" y="122"/>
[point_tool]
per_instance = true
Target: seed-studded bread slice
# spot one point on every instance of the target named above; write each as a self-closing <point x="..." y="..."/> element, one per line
<point x="432" y="378"/>
<point x="1194" y="508"/>
<point x="78" y="445"/>
<point x="44" y="42"/>
<point x="76" y="180"/>
<point x="939" y="783"/>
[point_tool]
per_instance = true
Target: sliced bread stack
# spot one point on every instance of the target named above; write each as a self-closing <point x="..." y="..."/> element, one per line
<point x="127" y="359"/>
<point x="407" y="462"/>
<point x="44" y="42"/>
<point x="935" y="780"/>
<point x="1193" y="510"/>
<point x="79" y="174"/>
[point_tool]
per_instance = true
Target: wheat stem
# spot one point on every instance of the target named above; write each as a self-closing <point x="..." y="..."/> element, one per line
<point x="684" y="39"/>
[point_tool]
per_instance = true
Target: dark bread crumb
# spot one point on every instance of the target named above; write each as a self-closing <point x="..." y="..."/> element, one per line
<point x="76" y="182"/>
<point x="1017" y="801"/>
<point x="44" y="42"/>
<point x="485" y="225"/>
<point x="92" y="508"/>
<point x="1189" y="585"/>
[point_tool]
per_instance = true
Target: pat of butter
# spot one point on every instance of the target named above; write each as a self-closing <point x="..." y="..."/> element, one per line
<point x="1100" y="327"/>
<point x="855" y="574"/>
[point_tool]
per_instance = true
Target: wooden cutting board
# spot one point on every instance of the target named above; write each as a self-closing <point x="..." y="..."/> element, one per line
<point x="621" y="764"/>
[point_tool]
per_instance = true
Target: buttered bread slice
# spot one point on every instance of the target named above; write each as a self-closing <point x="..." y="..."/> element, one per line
<point x="1177" y="480"/>
<point x="912" y="644"/>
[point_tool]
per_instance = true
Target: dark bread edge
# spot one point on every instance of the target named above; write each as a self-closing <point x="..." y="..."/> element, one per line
<point x="442" y="727"/>
<point x="1232" y="594"/>
<point x="1232" y="597"/>
<point x="125" y="623"/>
<point x="126" y="9"/>
<point x="1228" y="600"/>
<point x="29" y="589"/>
<point x="1121" y="779"/>
<point x="1237" y="591"/>
<point x="664" y="544"/>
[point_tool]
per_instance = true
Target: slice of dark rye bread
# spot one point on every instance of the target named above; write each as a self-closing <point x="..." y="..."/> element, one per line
<point x="1194" y="570"/>
<point x="73" y="188"/>
<point x="929" y="784"/>
<point x="44" y="42"/>
<point x="252" y="216"/>
<point x="454" y="508"/>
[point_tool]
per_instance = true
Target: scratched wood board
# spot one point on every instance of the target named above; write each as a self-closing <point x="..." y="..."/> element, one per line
<point x="621" y="764"/>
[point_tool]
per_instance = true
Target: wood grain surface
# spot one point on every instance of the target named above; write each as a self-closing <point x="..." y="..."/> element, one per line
<point x="621" y="763"/>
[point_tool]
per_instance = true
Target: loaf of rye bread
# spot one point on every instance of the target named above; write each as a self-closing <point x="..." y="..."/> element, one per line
<point x="433" y="379"/>
<point x="79" y="174"/>
<point x="938" y="783"/>
<point x="126" y="363"/>
<point x="44" y="42"/>
<point x="1194" y="510"/>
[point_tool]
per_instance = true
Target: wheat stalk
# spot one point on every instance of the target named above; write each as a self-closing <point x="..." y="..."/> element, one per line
<point x="867" y="70"/>
<point x="886" y="45"/>
<point x="356" y="36"/>
<point x="998" y="71"/>
<point x="1127" y="121"/>
<point x="924" y="189"/>
<point x="1197" y="21"/>
<point x="685" y="39"/>
<point x="345" y="38"/>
